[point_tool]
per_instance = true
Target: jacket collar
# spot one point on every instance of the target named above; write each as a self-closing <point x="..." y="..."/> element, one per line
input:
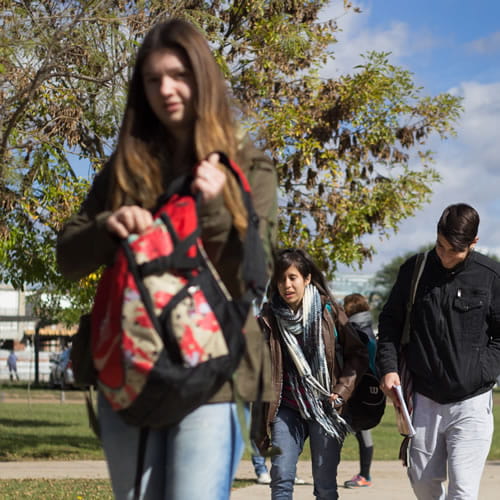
<point x="450" y="273"/>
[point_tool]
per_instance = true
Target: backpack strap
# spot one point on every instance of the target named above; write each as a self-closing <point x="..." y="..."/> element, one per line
<point x="253" y="267"/>
<point x="91" y="412"/>
<point x="180" y="185"/>
<point x="417" y="273"/>
<point x="339" y="355"/>
<point x="139" y="469"/>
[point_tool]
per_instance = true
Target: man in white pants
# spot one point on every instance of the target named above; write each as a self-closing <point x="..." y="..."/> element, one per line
<point x="453" y="356"/>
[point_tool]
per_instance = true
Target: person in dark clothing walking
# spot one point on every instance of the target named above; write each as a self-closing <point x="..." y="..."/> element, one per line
<point x="358" y="311"/>
<point x="453" y="357"/>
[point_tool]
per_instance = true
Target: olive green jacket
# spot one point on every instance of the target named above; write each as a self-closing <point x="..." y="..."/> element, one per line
<point x="84" y="244"/>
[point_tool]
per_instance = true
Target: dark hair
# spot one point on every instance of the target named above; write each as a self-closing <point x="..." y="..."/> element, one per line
<point x="355" y="303"/>
<point x="305" y="265"/>
<point x="458" y="224"/>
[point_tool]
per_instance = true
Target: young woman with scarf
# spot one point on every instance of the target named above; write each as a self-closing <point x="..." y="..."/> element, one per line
<point x="304" y="327"/>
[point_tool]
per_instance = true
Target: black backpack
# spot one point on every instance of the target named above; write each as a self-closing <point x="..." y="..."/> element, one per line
<point x="365" y="408"/>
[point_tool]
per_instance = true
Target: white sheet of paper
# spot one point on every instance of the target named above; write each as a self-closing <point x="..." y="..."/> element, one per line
<point x="404" y="411"/>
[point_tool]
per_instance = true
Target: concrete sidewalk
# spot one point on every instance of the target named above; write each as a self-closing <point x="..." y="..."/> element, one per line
<point x="389" y="478"/>
<point x="389" y="482"/>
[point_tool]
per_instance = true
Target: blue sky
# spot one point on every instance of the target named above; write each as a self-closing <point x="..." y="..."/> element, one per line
<point x="449" y="46"/>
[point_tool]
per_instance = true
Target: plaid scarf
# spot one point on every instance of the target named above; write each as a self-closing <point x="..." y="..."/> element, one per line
<point x="309" y="376"/>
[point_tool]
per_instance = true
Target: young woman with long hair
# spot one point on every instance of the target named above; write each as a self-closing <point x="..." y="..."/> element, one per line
<point x="177" y="114"/>
<point x="305" y="327"/>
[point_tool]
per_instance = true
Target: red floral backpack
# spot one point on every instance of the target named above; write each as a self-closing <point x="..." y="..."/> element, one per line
<point x="166" y="334"/>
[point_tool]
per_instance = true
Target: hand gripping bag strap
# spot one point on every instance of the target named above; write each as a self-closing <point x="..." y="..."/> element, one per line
<point x="253" y="270"/>
<point x="253" y="267"/>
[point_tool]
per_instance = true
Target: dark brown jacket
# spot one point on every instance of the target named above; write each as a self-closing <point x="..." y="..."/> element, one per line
<point x="84" y="245"/>
<point x="343" y="379"/>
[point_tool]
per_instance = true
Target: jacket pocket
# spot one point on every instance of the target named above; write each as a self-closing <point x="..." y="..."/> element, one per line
<point x="471" y="306"/>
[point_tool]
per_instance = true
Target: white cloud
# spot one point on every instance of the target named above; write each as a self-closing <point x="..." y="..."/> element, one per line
<point x="357" y="37"/>
<point x="486" y="45"/>
<point x="479" y="125"/>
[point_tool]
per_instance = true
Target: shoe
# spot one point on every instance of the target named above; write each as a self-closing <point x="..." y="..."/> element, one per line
<point x="299" y="481"/>
<point x="357" y="482"/>
<point x="264" y="478"/>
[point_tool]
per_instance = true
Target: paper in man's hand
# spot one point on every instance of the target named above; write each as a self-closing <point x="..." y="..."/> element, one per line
<point x="403" y="419"/>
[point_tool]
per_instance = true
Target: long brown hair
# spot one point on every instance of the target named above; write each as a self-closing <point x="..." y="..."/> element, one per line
<point x="137" y="172"/>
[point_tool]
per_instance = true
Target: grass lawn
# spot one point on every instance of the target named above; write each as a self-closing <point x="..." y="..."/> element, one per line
<point x="59" y="430"/>
<point x="60" y="489"/>
<point x="45" y="431"/>
<point x="68" y="489"/>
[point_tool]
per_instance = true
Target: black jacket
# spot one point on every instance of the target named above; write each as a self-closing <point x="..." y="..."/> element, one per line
<point x="454" y="349"/>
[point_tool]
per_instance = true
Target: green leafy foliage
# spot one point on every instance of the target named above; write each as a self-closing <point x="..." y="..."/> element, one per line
<point x="350" y="151"/>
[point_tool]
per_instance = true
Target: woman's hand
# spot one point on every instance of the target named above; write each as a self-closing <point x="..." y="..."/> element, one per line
<point x="336" y="400"/>
<point x="129" y="219"/>
<point x="389" y="380"/>
<point x="209" y="179"/>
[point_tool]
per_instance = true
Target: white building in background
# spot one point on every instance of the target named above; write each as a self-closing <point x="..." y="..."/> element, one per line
<point x="14" y="323"/>
<point x="14" y="315"/>
<point x="347" y="283"/>
<point x="17" y="332"/>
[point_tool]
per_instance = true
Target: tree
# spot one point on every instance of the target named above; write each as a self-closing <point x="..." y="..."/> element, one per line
<point x="386" y="277"/>
<point x="342" y="146"/>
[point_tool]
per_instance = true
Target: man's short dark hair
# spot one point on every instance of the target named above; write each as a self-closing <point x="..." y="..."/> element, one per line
<point x="459" y="224"/>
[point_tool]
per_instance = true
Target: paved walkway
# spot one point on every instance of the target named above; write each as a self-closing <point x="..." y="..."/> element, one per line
<point x="389" y="478"/>
<point x="389" y="482"/>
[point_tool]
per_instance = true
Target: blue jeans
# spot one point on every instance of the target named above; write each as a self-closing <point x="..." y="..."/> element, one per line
<point x="196" y="458"/>
<point x="259" y="464"/>
<point x="289" y="432"/>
